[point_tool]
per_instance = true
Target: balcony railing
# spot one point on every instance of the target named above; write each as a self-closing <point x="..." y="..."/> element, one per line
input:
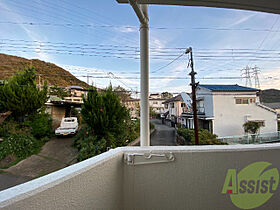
<point x="200" y="110"/>
<point x="145" y="178"/>
<point x="258" y="138"/>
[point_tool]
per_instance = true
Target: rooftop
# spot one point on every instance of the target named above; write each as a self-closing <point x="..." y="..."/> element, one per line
<point x="175" y="98"/>
<point x="273" y="105"/>
<point x="228" y="88"/>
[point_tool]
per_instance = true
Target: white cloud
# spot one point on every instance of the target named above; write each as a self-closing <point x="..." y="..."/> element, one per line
<point x="31" y="34"/>
<point x="242" y="20"/>
<point x="270" y="79"/>
<point x="127" y="29"/>
<point x="93" y="74"/>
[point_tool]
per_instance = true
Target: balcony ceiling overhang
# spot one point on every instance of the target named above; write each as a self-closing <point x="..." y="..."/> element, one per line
<point x="270" y="6"/>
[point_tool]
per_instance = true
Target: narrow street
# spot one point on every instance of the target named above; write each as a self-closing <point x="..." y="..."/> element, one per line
<point x="164" y="135"/>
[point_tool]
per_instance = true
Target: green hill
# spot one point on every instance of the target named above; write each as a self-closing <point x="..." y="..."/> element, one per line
<point x="53" y="74"/>
<point x="270" y="96"/>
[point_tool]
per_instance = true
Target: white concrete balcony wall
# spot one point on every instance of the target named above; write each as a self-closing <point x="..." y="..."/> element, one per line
<point x="96" y="183"/>
<point x="193" y="181"/>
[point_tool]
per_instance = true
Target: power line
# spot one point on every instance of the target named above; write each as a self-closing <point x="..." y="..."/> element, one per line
<point x="135" y="27"/>
<point x="107" y="76"/>
<point x="198" y="50"/>
<point x="159" y="69"/>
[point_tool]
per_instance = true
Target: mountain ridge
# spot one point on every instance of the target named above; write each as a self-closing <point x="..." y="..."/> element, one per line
<point x="53" y="74"/>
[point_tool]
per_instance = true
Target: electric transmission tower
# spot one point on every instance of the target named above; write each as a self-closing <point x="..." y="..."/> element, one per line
<point x="246" y="73"/>
<point x="250" y="73"/>
<point x="256" y="72"/>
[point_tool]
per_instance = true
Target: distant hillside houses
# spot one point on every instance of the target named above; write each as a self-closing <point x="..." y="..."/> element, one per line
<point x="156" y="104"/>
<point x="223" y="109"/>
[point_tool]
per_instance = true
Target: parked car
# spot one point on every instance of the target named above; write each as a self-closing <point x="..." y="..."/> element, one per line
<point x="68" y="126"/>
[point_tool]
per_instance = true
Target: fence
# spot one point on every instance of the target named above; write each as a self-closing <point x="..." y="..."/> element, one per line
<point x="252" y="138"/>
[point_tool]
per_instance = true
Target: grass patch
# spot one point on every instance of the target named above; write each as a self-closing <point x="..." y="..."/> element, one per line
<point x="50" y="158"/>
<point x="42" y="173"/>
<point x="3" y="172"/>
<point x="12" y="163"/>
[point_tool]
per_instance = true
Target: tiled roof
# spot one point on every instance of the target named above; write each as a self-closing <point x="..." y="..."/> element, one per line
<point x="227" y="88"/>
<point x="176" y="98"/>
<point x="273" y="105"/>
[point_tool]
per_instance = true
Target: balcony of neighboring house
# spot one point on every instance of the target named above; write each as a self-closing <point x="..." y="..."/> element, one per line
<point x="178" y="177"/>
<point x="74" y="99"/>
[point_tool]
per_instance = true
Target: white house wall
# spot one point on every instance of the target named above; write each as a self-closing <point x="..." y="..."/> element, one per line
<point x="229" y="117"/>
<point x="208" y="100"/>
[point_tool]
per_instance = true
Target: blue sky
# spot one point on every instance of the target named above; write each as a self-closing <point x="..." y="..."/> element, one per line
<point x="224" y="41"/>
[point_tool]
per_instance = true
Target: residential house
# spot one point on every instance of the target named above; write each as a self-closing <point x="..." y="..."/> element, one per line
<point x="174" y="108"/>
<point x="156" y="103"/>
<point x="223" y="109"/>
<point x="274" y="106"/>
<point x="59" y="109"/>
<point x="155" y="96"/>
<point x="133" y="105"/>
<point x="77" y="94"/>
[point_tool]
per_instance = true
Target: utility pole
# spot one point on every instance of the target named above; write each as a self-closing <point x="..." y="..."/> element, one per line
<point x="194" y="85"/>
<point x="40" y="81"/>
<point x="87" y="79"/>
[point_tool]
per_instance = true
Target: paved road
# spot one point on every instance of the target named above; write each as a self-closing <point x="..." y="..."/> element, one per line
<point x="8" y="180"/>
<point x="55" y="154"/>
<point x="164" y="135"/>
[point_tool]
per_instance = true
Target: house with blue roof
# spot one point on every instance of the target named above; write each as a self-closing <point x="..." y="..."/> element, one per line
<point x="223" y="109"/>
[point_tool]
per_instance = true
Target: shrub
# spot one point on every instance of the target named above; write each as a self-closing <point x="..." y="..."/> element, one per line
<point x="205" y="137"/>
<point x="187" y="134"/>
<point x="41" y="125"/>
<point x="20" y="145"/>
<point x="88" y="144"/>
<point x="152" y="126"/>
<point x="251" y="127"/>
<point x="8" y="126"/>
<point x="179" y="125"/>
<point x="132" y="131"/>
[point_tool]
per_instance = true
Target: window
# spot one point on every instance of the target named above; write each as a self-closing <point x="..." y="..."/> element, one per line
<point x="242" y="101"/>
<point x="172" y="105"/>
<point x="245" y="100"/>
<point x="166" y="106"/>
<point x="252" y="100"/>
<point x="183" y="104"/>
<point x="238" y="101"/>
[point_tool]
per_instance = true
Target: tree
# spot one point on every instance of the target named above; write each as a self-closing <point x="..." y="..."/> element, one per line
<point x="252" y="127"/>
<point x="152" y="112"/>
<point x="166" y="95"/>
<point x="20" y="95"/>
<point x="106" y="116"/>
<point x="59" y="92"/>
<point x="122" y="93"/>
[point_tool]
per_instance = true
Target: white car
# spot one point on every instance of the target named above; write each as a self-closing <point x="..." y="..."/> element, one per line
<point x="68" y="126"/>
